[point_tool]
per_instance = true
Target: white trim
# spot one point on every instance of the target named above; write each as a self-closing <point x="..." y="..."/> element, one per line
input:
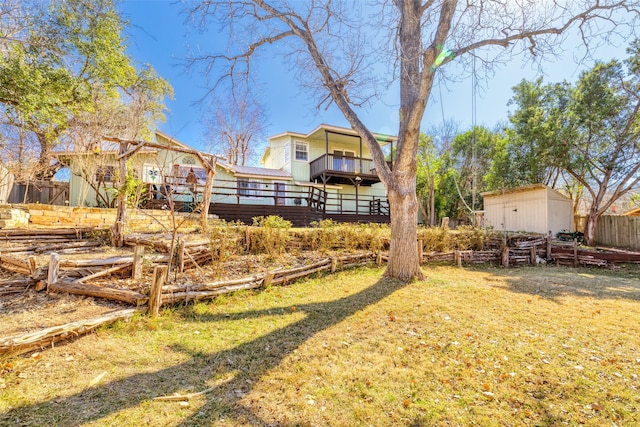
<point x="271" y="177"/>
<point x="295" y="151"/>
<point x="316" y="185"/>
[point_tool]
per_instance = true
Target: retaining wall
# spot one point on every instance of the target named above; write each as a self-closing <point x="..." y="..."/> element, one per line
<point x="25" y="215"/>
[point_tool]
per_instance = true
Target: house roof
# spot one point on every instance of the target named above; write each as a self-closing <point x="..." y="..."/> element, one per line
<point x="254" y="172"/>
<point x="383" y="139"/>
<point x="531" y="187"/>
<point x="260" y="172"/>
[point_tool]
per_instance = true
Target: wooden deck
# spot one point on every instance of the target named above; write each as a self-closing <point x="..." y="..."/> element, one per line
<point x="300" y="216"/>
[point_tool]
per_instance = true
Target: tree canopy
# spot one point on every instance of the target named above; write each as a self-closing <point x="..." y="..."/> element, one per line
<point x="590" y="130"/>
<point x="64" y="60"/>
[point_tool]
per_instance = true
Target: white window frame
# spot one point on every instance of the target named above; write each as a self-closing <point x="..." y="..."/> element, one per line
<point x="104" y="174"/>
<point x="253" y="188"/>
<point x="306" y="151"/>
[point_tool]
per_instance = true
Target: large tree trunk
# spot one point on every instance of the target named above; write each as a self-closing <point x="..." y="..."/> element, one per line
<point x="590" y="228"/>
<point x="403" y="253"/>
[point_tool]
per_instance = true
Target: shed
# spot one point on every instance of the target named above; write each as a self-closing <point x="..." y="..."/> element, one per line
<point x="533" y="208"/>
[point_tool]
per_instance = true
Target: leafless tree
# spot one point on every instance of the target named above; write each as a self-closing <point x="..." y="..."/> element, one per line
<point x="336" y="45"/>
<point x="235" y="124"/>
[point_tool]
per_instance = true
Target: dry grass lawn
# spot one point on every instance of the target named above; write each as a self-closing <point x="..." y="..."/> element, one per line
<point x="541" y="346"/>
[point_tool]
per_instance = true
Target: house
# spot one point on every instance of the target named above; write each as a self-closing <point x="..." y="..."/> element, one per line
<point x="533" y="208"/>
<point x="326" y="173"/>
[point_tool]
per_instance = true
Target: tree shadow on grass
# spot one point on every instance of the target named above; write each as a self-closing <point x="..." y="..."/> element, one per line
<point x="556" y="282"/>
<point x="236" y="370"/>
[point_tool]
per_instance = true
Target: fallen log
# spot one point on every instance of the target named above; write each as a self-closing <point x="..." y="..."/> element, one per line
<point x="19" y="344"/>
<point x="103" y="273"/>
<point x="186" y="296"/>
<point x="278" y="273"/>
<point x="210" y="286"/>
<point x="110" y="261"/>
<point x="123" y="295"/>
<point x="285" y="279"/>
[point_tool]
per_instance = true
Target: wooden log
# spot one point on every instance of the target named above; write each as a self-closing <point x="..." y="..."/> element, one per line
<point x="54" y="267"/>
<point x="32" y="264"/>
<point x="123" y="295"/>
<point x="325" y="261"/>
<point x="379" y="259"/>
<point x="17" y="262"/>
<point x="457" y="257"/>
<point x="22" y="282"/>
<point x="548" y="241"/>
<point x="211" y="285"/>
<point x="290" y="277"/>
<point x="138" y="257"/>
<point x="18" y="344"/>
<point x="268" y="278"/>
<point x="334" y="264"/>
<point x="194" y="260"/>
<point x="103" y="273"/>
<point x="504" y="254"/>
<point x="77" y="232"/>
<point x="111" y="261"/>
<point x="200" y="295"/>
<point x="155" y="296"/>
<point x="420" y="250"/>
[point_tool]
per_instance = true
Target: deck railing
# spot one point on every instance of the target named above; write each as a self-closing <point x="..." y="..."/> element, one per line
<point x="187" y="197"/>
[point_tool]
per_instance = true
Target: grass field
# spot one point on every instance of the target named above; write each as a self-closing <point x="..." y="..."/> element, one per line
<point x="541" y="346"/>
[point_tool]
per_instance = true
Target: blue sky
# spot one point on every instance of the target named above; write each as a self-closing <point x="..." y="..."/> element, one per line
<point x="159" y="36"/>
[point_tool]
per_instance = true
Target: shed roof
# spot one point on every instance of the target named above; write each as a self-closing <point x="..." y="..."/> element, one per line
<point x="524" y="188"/>
<point x="632" y="212"/>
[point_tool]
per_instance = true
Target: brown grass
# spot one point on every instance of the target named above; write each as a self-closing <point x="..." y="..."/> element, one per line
<point x="529" y="346"/>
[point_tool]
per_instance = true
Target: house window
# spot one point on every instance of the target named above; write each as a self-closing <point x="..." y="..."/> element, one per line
<point x="247" y="188"/>
<point x="302" y="151"/>
<point x="105" y="174"/>
<point x="180" y="174"/>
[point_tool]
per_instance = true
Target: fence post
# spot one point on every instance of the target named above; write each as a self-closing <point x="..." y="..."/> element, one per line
<point x="334" y="264"/>
<point x="504" y="254"/>
<point x="155" y="296"/>
<point x="457" y="258"/>
<point x="54" y="267"/>
<point x="548" y="238"/>
<point x="138" y="254"/>
<point x="532" y="255"/>
<point x="575" y="252"/>
<point x="268" y="277"/>
<point x="420" y="250"/>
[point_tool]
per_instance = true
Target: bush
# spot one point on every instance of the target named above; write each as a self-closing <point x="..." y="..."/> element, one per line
<point x="269" y="235"/>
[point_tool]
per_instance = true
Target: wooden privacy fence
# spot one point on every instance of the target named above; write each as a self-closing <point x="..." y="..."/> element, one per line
<point x="43" y="192"/>
<point x="618" y="231"/>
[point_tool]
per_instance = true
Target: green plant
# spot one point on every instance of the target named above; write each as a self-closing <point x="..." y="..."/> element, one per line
<point x="269" y="235"/>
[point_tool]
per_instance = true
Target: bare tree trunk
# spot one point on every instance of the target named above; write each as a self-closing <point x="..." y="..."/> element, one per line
<point x="590" y="228"/>
<point x="403" y="254"/>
